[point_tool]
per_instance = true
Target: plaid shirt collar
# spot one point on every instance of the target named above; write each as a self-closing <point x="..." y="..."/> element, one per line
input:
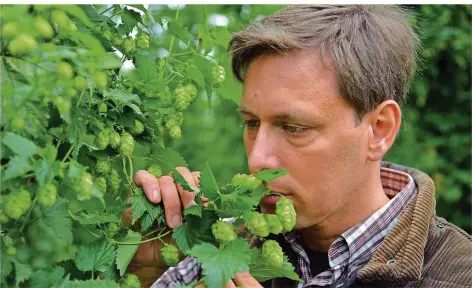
<point x="355" y="247"/>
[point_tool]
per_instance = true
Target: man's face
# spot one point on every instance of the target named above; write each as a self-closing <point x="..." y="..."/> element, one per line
<point x="296" y="119"/>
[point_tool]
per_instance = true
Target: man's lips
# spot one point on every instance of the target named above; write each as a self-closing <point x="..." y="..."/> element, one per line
<point x="271" y="199"/>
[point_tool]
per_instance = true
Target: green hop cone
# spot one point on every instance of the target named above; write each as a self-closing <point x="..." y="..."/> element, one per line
<point x="17" y="203"/>
<point x="257" y="225"/>
<point x="61" y="19"/>
<point x="47" y="195"/>
<point x="286" y="213"/>
<point x="171" y="123"/>
<point x="9" y="30"/>
<point x="84" y="190"/>
<point x="111" y="229"/>
<point x="4" y="218"/>
<point x="108" y="34"/>
<point x="23" y="43"/>
<point x="63" y="105"/>
<point x="142" y="41"/>
<point x="175" y="133"/>
<point x="272" y="254"/>
<point x="218" y="73"/>
<point x="155" y="170"/>
<point x="224" y="233"/>
<point x="114" y="181"/>
<point x="102" y="167"/>
<point x="275" y="227"/>
<point x="181" y="105"/>
<point x="64" y="70"/>
<point x="102" y="108"/>
<point x="101" y="79"/>
<point x="170" y="255"/>
<point x="117" y="41"/>
<point x="114" y="139"/>
<point x="43" y="27"/>
<point x="165" y="98"/>
<point x="102" y="140"/>
<point x="11" y="250"/>
<point x="17" y="123"/>
<point x="138" y="128"/>
<point x="245" y="181"/>
<point x="130" y="281"/>
<point x="129" y="46"/>
<point x="101" y="183"/>
<point x="126" y="144"/>
<point x="80" y="82"/>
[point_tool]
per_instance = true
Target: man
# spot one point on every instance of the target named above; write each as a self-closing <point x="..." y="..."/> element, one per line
<point x="323" y="89"/>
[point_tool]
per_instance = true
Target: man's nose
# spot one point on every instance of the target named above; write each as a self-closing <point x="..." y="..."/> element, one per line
<point x="262" y="152"/>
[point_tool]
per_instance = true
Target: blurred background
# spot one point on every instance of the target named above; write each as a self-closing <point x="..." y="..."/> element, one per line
<point x="436" y="132"/>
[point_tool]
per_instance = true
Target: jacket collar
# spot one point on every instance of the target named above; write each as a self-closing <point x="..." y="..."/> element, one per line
<point x="400" y="256"/>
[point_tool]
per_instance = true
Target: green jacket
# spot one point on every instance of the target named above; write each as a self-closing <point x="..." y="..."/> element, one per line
<point x="422" y="250"/>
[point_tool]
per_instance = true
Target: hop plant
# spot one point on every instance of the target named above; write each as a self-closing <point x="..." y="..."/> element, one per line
<point x="10" y="30"/>
<point x="43" y="27"/>
<point x="155" y="170"/>
<point x="23" y="43"/>
<point x="245" y="181"/>
<point x="113" y="182"/>
<point x="4" y="218"/>
<point x="102" y="108"/>
<point x="80" y="82"/>
<point x="275" y="227"/>
<point x="126" y="144"/>
<point x="111" y="229"/>
<point x="61" y="19"/>
<point x="102" y="166"/>
<point x="272" y="254"/>
<point x="170" y="255"/>
<point x="101" y="79"/>
<point x="102" y="140"/>
<point x="286" y="213"/>
<point x="165" y="98"/>
<point x="101" y="183"/>
<point x="175" y="132"/>
<point x="191" y="91"/>
<point x="17" y="203"/>
<point x="257" y="225"/>
<point x="115" y="139"/>
<point x="117" y="41"/>
<point x="64" y="70"/>
<point x="47" y="195"/>
<point x="218" y="73"/>
<point x="84" y="190"/>
<point x="130" y="281"/>
<point x="142" y="41"/>
<point x="138" y="128"/>
<point x="129" y="46"/>
<point x="224" y="233"/>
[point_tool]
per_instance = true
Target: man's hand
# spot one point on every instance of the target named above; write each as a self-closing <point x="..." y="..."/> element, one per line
<point x="147" y="263"/>
<point x="244" y="280"/>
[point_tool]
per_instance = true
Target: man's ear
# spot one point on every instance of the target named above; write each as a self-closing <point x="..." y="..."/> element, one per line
<point x="385" y="122"/>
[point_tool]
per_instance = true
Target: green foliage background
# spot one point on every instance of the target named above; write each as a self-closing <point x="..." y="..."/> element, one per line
<point x="436" y="132"/>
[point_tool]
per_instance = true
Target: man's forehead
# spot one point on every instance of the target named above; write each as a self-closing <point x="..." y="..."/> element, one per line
<point x="285" y="114"/>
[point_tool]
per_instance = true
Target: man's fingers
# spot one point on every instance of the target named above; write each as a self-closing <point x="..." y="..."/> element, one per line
<point x="188" y="198"/>
<point x="171" y="200"/>
<point x="229" y="284"/>
<point x="247" y="281"/>
<point x="149" y="184"/>
<point x="196" y="177"/>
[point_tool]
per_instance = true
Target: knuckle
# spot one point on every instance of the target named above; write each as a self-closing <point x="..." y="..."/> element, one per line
<point x="140" y="176"/>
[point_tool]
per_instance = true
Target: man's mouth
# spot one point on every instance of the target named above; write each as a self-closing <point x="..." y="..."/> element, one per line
<point x="270" y="200"/>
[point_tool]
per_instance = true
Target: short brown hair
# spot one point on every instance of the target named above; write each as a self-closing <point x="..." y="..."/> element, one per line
<point x="373" y="48"/>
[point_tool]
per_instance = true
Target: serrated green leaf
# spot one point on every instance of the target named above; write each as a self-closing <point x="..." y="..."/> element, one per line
<point x="125" y="253"/>
<point x="17" y="166"/>
<point x="196" y="75"/>
<point x="111" y="61"/>
<point x="195" y="230"/>
<point x="45" y="172"/>
<point x="146" y="222"/>
<point x="87" y="219"/>
<point x="145" y="68"/>
<point x="194" y="210"/>
<point x="130" y="17"/>
<point x="167" y="158"/>
<point x="122" y="97"/>
<point x="208" y="185"/>
<point x="138" y="6"/>
<point x="18" y="144"/>
<point x="222" y="36"/>
<point x="270" y="174"/>
<point x="176" y="28"/>
<point x="46" y="278"/>
<point x="138" y="204"/>
<point x="76" y="128"/>
<point x="106" y="283"/>
<point x="97" y="256"/>
<point x="76" y="12"/>
<point x="22" y="272"/>
<point x="179" y="179"/>
<point x="89" y="41"/>
<point x="220" y="265"/>
<point x="263" y="272"/>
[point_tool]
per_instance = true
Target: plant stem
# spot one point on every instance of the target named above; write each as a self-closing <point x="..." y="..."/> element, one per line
<point x="80" y="97"/>
<point x="67" y="154"/>
<point x="130" y="167"/>
<point x="170" y="46"/>
<point x="28" y="215"/>
<point x="136" y="243"/>
<point x="108" y="9"/>
<point x="90" y="98"/>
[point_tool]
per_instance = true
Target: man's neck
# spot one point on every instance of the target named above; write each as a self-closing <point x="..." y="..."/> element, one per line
<point x="319" y="237"/>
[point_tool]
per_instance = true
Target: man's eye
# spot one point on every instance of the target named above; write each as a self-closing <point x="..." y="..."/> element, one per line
<point x="295" y="129"/>
<point x="251" y="123"/>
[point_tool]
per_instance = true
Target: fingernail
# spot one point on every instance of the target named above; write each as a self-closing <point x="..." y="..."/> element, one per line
<point x="155" y="195"/>
<point x="191" y="202"/>
<point x="175" y="221"/>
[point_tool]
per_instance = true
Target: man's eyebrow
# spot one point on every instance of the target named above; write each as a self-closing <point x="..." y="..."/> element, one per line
<point x="278" y="117"/>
